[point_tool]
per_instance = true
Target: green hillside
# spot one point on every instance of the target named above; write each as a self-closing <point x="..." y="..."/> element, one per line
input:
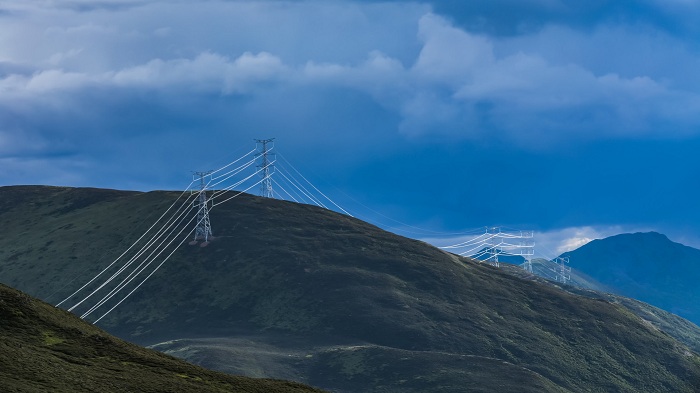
<point x="305" y="287"/>
<point x="45" y="349"/>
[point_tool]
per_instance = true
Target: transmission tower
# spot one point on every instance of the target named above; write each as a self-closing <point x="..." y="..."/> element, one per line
<point x="503" y="243"/>
<point x="527" y="249"/>
<point x="493" y="250"/>
<point x="563" y="271"/>
<point x="266" y="166"/>
<point x="203" y="229"/>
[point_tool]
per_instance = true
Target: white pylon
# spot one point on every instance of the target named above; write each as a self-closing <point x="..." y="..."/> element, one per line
<point x="266" y="166"/>
<point x="203" y="230"/>
<point x="563" y="271"/>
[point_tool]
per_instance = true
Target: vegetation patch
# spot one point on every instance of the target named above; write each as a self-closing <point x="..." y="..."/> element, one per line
<point x="195" y="378"/>
<point x="50" y="338"/>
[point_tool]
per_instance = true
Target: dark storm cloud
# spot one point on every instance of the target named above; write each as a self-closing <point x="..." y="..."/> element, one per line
<point x="516" y="17"/>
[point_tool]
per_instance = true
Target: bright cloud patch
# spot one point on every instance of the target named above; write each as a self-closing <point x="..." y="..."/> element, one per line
<point x="548" y="244"/>
<point x="205" y="73"/>
<point x="556" y="242"/>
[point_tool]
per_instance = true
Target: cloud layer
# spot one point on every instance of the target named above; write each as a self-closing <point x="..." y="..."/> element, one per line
<point x="392" y="99"/>
<point x="532" y="90"/>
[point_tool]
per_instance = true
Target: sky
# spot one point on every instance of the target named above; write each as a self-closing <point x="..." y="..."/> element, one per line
<point x="576" y="119"/>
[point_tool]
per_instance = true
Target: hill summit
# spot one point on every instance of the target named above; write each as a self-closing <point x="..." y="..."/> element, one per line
<point x="298" y="292"/>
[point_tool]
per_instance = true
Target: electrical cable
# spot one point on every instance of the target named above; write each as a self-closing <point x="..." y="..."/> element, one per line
<point x="127" y="250"/>
<point x="134" y="258"/>
<point x="303" y="189"/>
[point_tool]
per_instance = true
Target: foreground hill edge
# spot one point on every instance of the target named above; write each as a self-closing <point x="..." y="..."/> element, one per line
<point x="48" y="349"/>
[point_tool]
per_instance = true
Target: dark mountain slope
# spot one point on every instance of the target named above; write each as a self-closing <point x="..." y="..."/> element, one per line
<point x="645" y="266"/>
<point x="679" y="328"/>
<point x="307" y="279"/>
<point x="45" y="349"/>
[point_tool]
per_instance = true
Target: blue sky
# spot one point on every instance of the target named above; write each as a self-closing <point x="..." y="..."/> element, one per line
<point x="576" y="119"/>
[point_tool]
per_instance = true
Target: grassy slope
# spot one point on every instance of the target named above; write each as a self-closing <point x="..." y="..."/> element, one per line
<point x="391" y="369"/>
<point x="679" y="328"/>
<point x="362" y="368"/>
<point x="44" y="349"/>
<point x="322" y="277"/>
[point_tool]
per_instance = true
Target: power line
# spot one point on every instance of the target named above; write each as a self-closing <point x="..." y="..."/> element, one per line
<point x="487" y="245"/>
<point x="128" y="249"/>
<point x="159" y="241"/>
<point x="495" y="242"/>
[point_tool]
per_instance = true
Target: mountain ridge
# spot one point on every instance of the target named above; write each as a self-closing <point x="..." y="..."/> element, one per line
<point x="647" y="266"/>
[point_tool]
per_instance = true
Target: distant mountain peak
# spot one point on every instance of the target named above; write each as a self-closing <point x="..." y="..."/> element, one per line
<point x="647" y="266"/>
<point x="643" y="235"/>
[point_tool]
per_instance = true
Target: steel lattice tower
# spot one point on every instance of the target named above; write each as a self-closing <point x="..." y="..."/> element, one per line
<point x="203" y="229"/>
<point x="564" y="273"/>
<point x="501" y="244"/>
<point x="493" y="250"/>
<point x="266" y="166"/>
